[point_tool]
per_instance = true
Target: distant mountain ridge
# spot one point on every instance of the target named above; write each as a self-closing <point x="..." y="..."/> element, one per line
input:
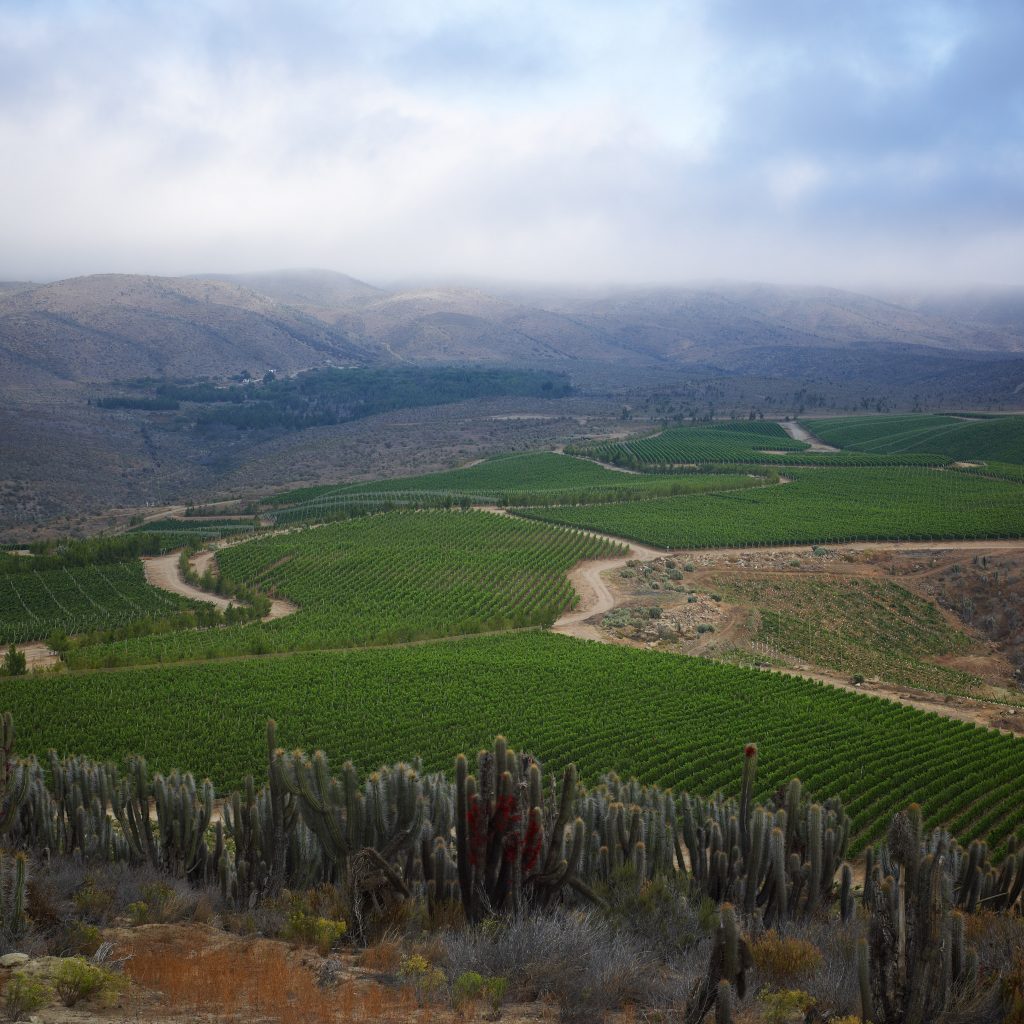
<point x="123" y="326"/>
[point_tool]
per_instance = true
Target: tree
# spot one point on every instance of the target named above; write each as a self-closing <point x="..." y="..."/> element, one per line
<point x="15" y="663"/>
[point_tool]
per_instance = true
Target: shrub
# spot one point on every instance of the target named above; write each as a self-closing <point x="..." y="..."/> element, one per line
<point x="83" y="938"/>
<point x="785" y="1006"/>
<point x="705" y="627"/>
<point x="384" y="956"/>
<point x="92" y="901"/>
<point x="785" y="959"/>
<point x="467" y="988"/>
<point x="494" y="992"/>
<point x="75" y="979"/>
<point x="320" y="932"/>
<point x="25" y="995"/>
<point x="160" y="904"/>
<point x="14" y="663"/>
<point x="425" y="979"/>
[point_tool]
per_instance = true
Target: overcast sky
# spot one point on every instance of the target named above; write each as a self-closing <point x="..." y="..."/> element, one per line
<point x="845" y="143"/>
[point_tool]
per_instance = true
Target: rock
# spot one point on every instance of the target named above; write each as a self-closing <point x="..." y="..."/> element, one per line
<point x="14" y="960"/>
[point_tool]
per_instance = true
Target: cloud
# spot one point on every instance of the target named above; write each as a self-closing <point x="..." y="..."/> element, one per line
<point x="566" y="140"/>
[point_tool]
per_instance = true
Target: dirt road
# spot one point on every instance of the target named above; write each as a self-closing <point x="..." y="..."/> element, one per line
<point x="162" y="571"/>
<point x="799" y="433"/>
<point x="560" y="450"/>
<point x="596" y="597"/>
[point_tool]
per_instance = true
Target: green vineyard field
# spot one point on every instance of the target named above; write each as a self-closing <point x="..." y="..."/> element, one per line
<point x="667" y="719"/>
<point x="998" y="438"/>
<point x="538" y="478"/>
<point x="761" y="443"/>
<point x="383" y="579"/>
<point x="79" y="599"/>
<point x="819" y="506"/>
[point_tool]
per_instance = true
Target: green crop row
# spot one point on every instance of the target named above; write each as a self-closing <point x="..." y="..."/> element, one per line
<point x="1000" y="438"/>
<point x="667" y="719"/>
<point x="536" y="478"/>
<point x="34" y="605"/>
<point x="818" y="506"/>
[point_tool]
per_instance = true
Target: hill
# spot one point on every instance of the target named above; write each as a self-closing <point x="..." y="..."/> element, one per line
<point x="126" y="326"/>
<point x="122" y="326"/>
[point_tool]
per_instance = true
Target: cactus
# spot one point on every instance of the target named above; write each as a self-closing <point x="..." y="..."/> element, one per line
<point x="508" y="857"/>
<point x="916" y="953"/>
<point x="728" y="963"/>
<point x="13" y="881"/>
<point x="14" y="778"/>
<point x="723" y="1003"/>
<point x="864" y="980"/>
<point x="846" y="893"/>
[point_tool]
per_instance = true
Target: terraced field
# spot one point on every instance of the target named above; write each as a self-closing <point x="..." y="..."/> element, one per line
<point x="384" y="579"/>
<point x="667" y="719"/>
<point x="866" y="626"/>
<point x="1000" y="439"/>
<point x="819" y="506"/>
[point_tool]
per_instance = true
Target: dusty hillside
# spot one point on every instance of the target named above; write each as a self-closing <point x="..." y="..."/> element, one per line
<point x="117" y="327"/>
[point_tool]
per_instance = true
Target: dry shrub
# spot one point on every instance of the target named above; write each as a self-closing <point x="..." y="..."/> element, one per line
<point x="258" y="981"/>
<point x="782" y="960"/>
<point x="384" y="957"/>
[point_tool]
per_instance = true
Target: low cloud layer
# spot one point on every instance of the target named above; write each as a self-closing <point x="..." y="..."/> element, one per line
<point x="873" y="142"/>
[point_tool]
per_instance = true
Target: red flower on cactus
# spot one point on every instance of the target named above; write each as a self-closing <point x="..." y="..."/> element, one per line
<point x="531" y="845"/>
<point x="750" y="749"/>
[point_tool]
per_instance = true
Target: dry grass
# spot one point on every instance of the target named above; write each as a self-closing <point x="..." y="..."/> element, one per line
<point x="261" y="981"/>
<point x="783" y="960"/>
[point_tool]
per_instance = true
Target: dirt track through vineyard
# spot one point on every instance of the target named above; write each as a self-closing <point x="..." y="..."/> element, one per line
<point x="163" y="571"/>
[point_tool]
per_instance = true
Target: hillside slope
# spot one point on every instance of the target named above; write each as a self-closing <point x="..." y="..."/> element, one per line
<point x="120" y="326"/>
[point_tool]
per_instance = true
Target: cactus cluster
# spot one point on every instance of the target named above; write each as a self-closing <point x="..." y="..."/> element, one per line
<point x="915" y="956"/>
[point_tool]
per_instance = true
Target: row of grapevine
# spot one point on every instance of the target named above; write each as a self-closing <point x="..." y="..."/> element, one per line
<point x="667" y="719"/>
<point x="34" y="605"/>
<point x="391" y="578"/>
<point x="956" y="437"/>
<point x="819" y="506"/>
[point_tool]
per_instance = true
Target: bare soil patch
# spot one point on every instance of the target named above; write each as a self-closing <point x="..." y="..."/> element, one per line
<point x="38" y="656"/>
<point x="801" y="433"/>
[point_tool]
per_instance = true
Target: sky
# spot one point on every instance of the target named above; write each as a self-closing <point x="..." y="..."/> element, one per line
<point x="865" y="142"/>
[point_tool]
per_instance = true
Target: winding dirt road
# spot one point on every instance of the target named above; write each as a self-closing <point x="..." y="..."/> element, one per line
<point x="596" y="597"/>
<point x="162" y="571"/>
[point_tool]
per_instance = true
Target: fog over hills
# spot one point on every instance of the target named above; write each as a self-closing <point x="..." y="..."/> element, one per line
<point x="124" y="326"/>
<point x="708" y="349"/>
<point x="120" y="326"/>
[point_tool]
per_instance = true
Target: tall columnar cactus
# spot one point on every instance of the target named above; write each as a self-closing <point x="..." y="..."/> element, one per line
<point x="916" y="953"/>
<point x="183" y="812"/>
<point x="13" y="777"/>
<point x="516" y="849"/>
<point x="728" y="964"/>
<point x="13" y="881"/>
